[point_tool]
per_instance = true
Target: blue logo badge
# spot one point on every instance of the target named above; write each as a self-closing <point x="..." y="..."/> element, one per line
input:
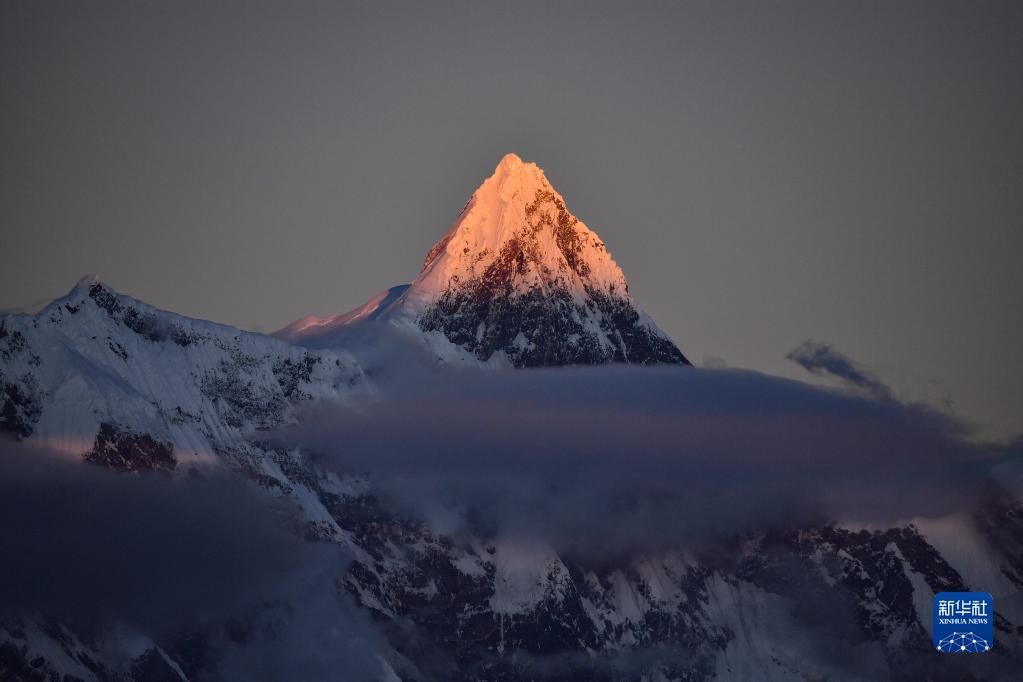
<point x="964" y="622"/>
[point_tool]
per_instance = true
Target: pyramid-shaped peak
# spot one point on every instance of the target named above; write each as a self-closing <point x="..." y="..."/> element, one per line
<point x="516" y="204"/>
<point x="517" y="279"/>
<point x="517" y="261"/>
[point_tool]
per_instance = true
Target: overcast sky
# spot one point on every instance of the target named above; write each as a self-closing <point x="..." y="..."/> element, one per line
<point x="764" y="173"/>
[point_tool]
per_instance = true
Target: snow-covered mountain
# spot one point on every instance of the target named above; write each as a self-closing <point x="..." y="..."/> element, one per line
<point x="811" y="603"/>
<point x="516" y="280"/>
<point x="108" y="378"/>
<point x="120" y="384"/>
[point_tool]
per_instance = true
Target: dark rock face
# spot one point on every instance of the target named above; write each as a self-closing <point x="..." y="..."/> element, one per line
<point x="485" y="318"/>
<point x="522" y="306"/>
<point x="20" y="404"/>
<point x="144" y="324"/>
<point x="291" y="374"/>
<point x="637" y="342"/>
<point x="848" y="588"/>
<point x="12" y="342"/>
<point x="15" y="665"/>
<point x="238" y="401"/>
<point x="858" y="574"/>
<point x="124" y="450"/>
<point x="19" y="407"/>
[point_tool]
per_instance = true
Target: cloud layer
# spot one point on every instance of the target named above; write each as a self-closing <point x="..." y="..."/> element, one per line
<point x="213" y="557"/>
<point x="607" y="460"/>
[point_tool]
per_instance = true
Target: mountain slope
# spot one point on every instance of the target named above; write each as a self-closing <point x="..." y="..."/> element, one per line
<point x="516" y="280"/>
<point x="105" y="377"/>
<point x="117" y="383"/>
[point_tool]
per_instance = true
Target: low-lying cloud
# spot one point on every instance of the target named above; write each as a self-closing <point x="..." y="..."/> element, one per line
<point x="210" y="556"/>
<point x="602" y="461"/>
<point x="82" y="542"/>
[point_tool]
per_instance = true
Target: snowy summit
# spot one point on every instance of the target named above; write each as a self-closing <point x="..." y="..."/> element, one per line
<point x="518" y="280"/>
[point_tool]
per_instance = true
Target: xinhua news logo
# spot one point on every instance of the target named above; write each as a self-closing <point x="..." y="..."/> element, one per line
<point x="964" y="622"/>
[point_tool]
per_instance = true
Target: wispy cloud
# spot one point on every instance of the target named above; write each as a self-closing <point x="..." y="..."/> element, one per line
<point x="823" y="359"/>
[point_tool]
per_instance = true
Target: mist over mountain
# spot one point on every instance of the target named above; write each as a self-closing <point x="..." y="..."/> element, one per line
<point x="502" y="470"/>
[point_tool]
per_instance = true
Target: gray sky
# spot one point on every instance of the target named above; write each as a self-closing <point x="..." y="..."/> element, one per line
<point x="764" y="173"/>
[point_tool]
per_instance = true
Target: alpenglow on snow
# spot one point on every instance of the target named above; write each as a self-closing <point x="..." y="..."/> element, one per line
<point x="517" y="280"/>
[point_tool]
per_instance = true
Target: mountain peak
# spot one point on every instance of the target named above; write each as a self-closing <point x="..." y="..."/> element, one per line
<point x="78" y="292"/>
<point x="516" y="208"/>
<point x="509" y="161"/>
<point x="512" y="175"/>
<point x="87" y="282"/>
<point x="518" y="277"/>
<point x="518" y="273"/>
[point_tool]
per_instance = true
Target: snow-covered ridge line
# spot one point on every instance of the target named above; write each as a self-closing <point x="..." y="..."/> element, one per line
<point x="102" y="368"/>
